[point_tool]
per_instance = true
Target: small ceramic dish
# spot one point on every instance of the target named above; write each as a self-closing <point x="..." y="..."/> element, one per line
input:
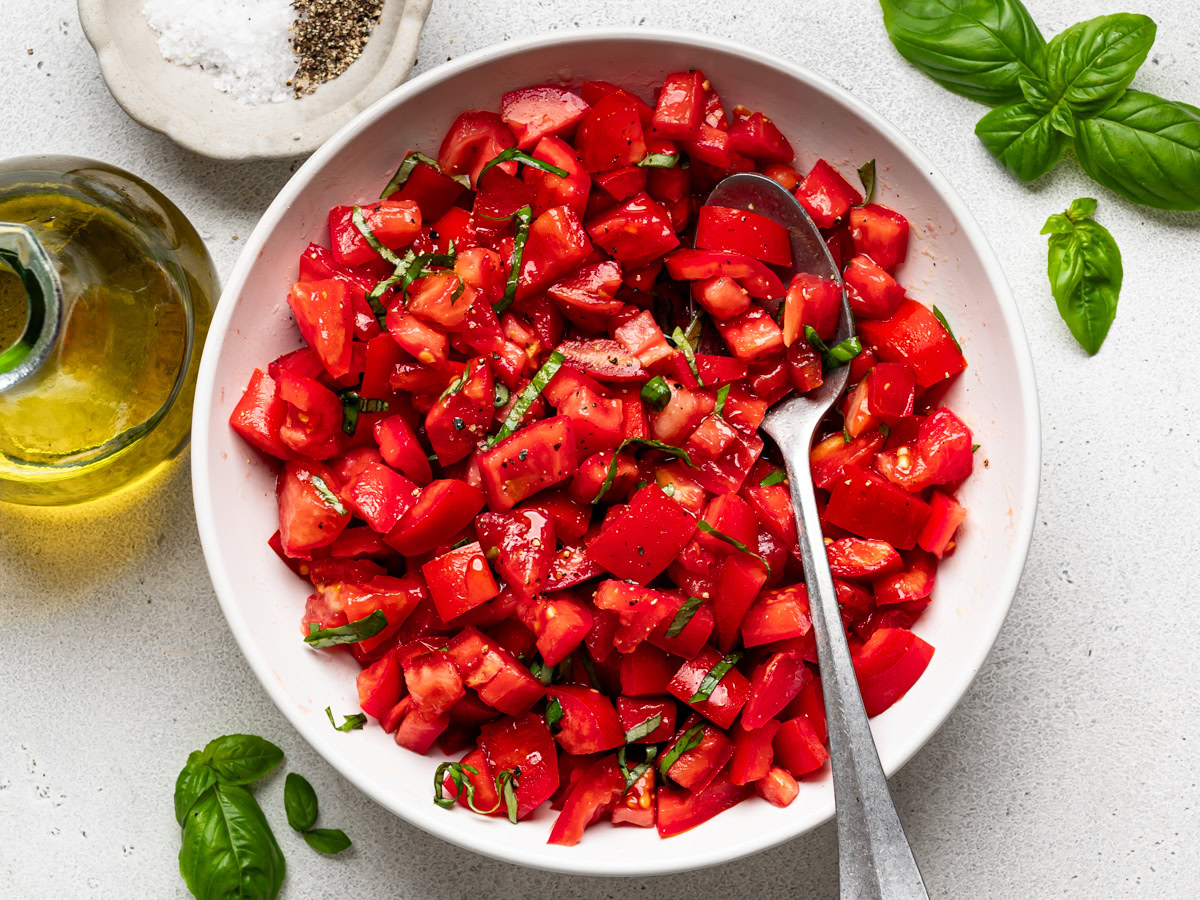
<point x="182" y="103"/>
<point x="949" y="263"/>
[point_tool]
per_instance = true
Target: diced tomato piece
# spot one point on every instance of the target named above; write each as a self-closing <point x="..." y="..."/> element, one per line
<point x="798" y="748"/>
<point x="640" y="610"/>
<point x="432" y="191"/>
<point x="550" y="190"/>
<point x="401" y="449"/>
<point x="752" y="751"/>
<point x="646" y="671"/>
<point x="557" y="243"/>
<point x="753" y="335"/>
<point x="260" y="414"/>
<point x="826" y="195"/>
<point x="594" y="793"/>
<point x="636" y="232"/>
<point x="942" y="454"/>
<point x="777" y="615"/>
<point x="759" y="138"/>
<point x="637" y="711"/>
<point x="804" y="367"/>
<point x="379" y="496"/>
<point x="534" y="458"/>
<point x="870" y="506"/>
<point x="725" y="700"/>
<point x="778" y="787"/>
<point x="461" y="416"/>
<point x="610" y="134"/>
<point x="879" y="233"/>
<point x="745" y="233"/>
<point x="312" y="425"/>
<point x="727" y="472"/>
<point x="595" y="91"/>
<point x="475" y="138"/>
<point x="695" y="768"/>
<point x="693" y="265"/>
<point x="711" y="146"/>
<point x="812" y="301"/>
<point x="524" y="744"/>
<point x="775" y="683"/>
<point x="522" y="544"/>
<point x="589" y="722"/>
<point x="459" y="580"/>
<point x="721" y="296"/>
<point x="418" y="733"/>
<point x="588" y="295"/>
<point x="396" y="597"/>
<point x="945" y="515"/>
<point x="379" y="686"/>
<point x="741" y="578"/>
<point x="307" y="518"/>
<point x="682" y="810"/>
<point x="636" y="807"/>
<point x="531" y="113"/>
<point x="828" y="457"/>
<point x="444" y="508"/>
<point x="680" y="108"/>
<point x="851" y="557"/>
<point x="891" y="391"/>
<point x="640" y="542"/>
<point x="915" y="336"/>
<point x="642" y="337"/>
<point x="887" y="665"/>
<point x="913" y="584"/>
<point x="420" y="340"/>
<point x="324" y="315"/>
<point x="783" y="174"/>
<point x="871" y="291"/>
<point x="623" y="183"/>
<point x="394" y="223"/>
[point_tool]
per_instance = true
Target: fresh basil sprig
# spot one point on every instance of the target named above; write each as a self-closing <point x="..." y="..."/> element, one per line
<point x="1084" y="265"/>
<point x="350" y="633"/>
<point x="300" y="803"/>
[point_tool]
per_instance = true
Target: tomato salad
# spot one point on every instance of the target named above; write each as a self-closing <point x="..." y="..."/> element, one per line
<point x="519" y="459"/>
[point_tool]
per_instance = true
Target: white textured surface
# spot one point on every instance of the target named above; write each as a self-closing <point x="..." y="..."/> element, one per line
<point x="1070" y="768"/>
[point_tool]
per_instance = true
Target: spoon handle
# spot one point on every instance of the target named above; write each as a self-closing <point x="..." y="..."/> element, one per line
<point x="875" y="861"/>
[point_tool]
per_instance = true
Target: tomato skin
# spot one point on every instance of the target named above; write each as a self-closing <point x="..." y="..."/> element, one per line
<point x="459" y="420"/>
<point x="682" y="810"/>
<point x="324" y="314"/>
<point x="610" y="134"/>
<point x="887" y="665"/>
<point x="798" y="748"/>
<point x="913" y="584"/>
<point x="533" y="112"/>
<point x="753" y="752"/>
<point x="475" y="138"/>
<point x="379" y="496"/>
<point x="502" y="682"/>
<point x="811" y="301"/>
<point x="534" y="458"/>
<point x="828" y="457"/>
<point x="680" y="108"/>
<point x="623" y="183"/>
<point x="711" y="146"/>
<point x="432" y="191"/>
<point x="589" y="723"/>
<point x="379" y="686"/>
<point x="726" y="699"/>
<point x="522" y="544"/>
<point x="260" y="414"/>
<point x="587" y="296"/>
<point x="871" y="291"/>
<point x="851" y="557"/>
<point x="306" y="520"/>
<point x="636" y="232"/>
<point x="777" y="615"/>
<point x="550" y="190"/>
<point x="561" y="622"/>
<point x="945" y="515"/>
<point x="752" y="336"/>
<point x="746" y="233"/>
<point x="759" y="138"/>
<point x="395" y="224"/>
<point x="691" y="265"/>
<point x="891" y="391"/>
<point x="444" y="508"/>
<point x="634" y="711"/>
<point x="643" y="540"/>
<point x="595" y="791"/>
<point x="870" y="506"/>
<point x="402" y="450"/>
<point x="914" y="335"/>
<point x="646" y="671"/>
<point x="523" y="743"/>
<point x="826" y="196"/>
<point x="880" y="233"/>
<point x="733" y="517"/>
<point x="417" y="732"/>
<point x="739" y="582"/>
<point x="459" y="581"/>
<point x="728" y="471"/>
<point x="557" y="243"/>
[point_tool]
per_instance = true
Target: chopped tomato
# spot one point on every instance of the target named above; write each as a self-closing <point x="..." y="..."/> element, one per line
<point x="475" y="138"/>
<point x="887" y="665"/>
<point x="531" y="113"/>
<point x="826" y="195"/>
<point x="534" y="458"/>
<point x="880" y="233"/>
<point x="595" y="792"/>
<point x="525" y="748"/>
<point x="610" y="134"/>
<point x="636" y="232"/>
<point x="746" y="233"/>
<point x="643" y="539"/>
<point x="393" y="223"/>
<point x="259" y="415"/>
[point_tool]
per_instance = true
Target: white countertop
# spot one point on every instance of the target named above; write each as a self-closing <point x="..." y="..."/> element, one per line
<point x="1069" y="770"/>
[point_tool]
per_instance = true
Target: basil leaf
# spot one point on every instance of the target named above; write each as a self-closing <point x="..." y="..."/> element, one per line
<point x="836" y="356"/>
<point x="656" y="393"/>
<point x="866" y="174"/>
<point x="408" y="165"/>
<point x="228" y="849"/>
<point x="1091" y="64"/>
<point x="512" y="153"/>
<point x="643" y="729"/>
<point x="940" y="316"/>
<point x="1084" y="265"/>
<point x="779" y="476"/>
<point x="455" y="771"/>
<point x="714" y="675"/>
<point x="300" y="802"/>
<point x="193" y="780"/>
<point x="524" y="217"/>
<point x="632" y="775"/>
<point x="352" y="404"/>
<point x="722" y="396"/>
<point x="732" y="542"/>
<point x="685" y="346"/>
<point x="554" y="713"/>
<point x="506" y="788"/>
<point x="1022" y="139"/>
<point x="659" y="161"/>
<point x="332" y="500"/>
<point x="359" y="219"/>
<point x="1144" y="148"/>
<point x="501" y="394"/>
<point x="678" y="452"/>
<point x="350" y="633"/>
<point x="241" y="758"/>
<point x="350" y="723"/>
<point x="327" y="840"/>
<point x="689" y="740"/>
<point x="529" y="393"/>
<point x="976" y="48"/>
<point x="683" y="616"/>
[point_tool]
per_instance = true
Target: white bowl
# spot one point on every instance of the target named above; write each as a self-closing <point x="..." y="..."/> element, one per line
<point x="949" y="263"/>
<point x="183" y="104"/>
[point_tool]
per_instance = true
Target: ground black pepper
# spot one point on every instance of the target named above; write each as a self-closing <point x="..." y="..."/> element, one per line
<point x="329" y="36"/>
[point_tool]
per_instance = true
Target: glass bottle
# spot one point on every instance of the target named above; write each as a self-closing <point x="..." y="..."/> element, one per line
<point x="106" y="293"/>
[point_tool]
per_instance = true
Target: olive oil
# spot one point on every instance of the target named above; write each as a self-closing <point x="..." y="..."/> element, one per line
<point x="109" y="399"/>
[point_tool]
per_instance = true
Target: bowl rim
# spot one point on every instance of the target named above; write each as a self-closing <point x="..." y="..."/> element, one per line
<point x="444" y="826"/>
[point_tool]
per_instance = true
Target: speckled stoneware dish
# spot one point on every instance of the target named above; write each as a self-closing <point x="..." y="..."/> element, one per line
<point x="949" y="263"/>
<point x="181" y="102"/>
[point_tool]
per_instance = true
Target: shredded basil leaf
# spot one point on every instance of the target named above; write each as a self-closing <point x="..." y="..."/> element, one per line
<point x="722" y="395"/>
<point x="732" y="542"/>
<point x="975" y="447"/>
<point x="359" y="219"/>
<point x="632" y="775"/>
<point x="350" y="633"/>
<point x="524" y="217"/>
<point x="656" y="393"/>
<point x="689" y="740"/>
<point x="456" y="384"/>
<point x="846" y="439"/>
<point x="512" y="153"/>
<point x="714" y="676"/>
<point x="501" y="394"/>
<point x="353" y="404"/>
<point x="941" y="317"/>
<point x="645" y="442"/>
<point x="659" y="161"/>
<point x="554" y="713"/>
<point x="529" y="393"/>
<point x="408" y="165"/>
<point x="352" y="723"/>
<point x="836" y="356"/>
<point x="383" y="286"/>
<point x="680" y="339"/>
<point x="332" y="500"/>
<point x="586" y="662"/>
<point x="643" y="729"/>
<point x="506" y="787"/>
<point x="461" y="782"/>
<point x="866" y="174"/>
<point x="779" y="476"/>
<point x="542" y="672"/>
<point x="683" y="616"/>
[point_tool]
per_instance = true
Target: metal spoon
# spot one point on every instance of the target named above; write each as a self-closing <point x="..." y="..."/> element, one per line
<point x="875" y="861"/>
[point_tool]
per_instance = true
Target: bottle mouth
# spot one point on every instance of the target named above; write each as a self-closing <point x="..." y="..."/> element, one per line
<point x="23" y="253"/>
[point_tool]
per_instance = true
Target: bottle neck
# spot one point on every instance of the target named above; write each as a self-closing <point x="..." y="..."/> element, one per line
<point x="32" y="270"/>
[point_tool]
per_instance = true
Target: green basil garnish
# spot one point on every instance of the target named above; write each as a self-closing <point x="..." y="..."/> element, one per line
<point x="456" y="384"/>
<point x="502" y="394"/>
<point x="714" y="676"/>
<point x="408" y="165"/>
<point x="680" y="339"/>
<point x="659" y="161"/>
<point x="722" y="396"/>
<point x="678" y="452"/>
<point x="940" y="316"/>
<point x="529" y="393"/>
<point x="554" y="713"/>
<point x="643" y="729"/>
<point x="359" y="219"/>
<point x="352" y="722"/>
<point x="1084" y="264"/>
<point x="732" y="542"/>
<point x="524" y="217"/>
<point x="350" y="633"/>
<point x="506" y="787"/>
<point x="689" y="740"/>
<point x="353" y="404"/>
<point x="779" y="476"/>
<point x="332" y="500"/>
<point x="458" y="778"/>
<point x="512" y="153"/>
<point x="632" y="775"/>
<point x="866" y="174"/>
<point x="656" y="393"/>
<point x="683" y="616"/>
<point x="836" y="356"/>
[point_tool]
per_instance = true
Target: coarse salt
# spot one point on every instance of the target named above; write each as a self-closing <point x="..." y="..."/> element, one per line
<point x="246" y="44"/>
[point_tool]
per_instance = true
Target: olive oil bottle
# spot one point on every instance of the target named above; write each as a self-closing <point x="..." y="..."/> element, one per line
<point x="106" y="293"/>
